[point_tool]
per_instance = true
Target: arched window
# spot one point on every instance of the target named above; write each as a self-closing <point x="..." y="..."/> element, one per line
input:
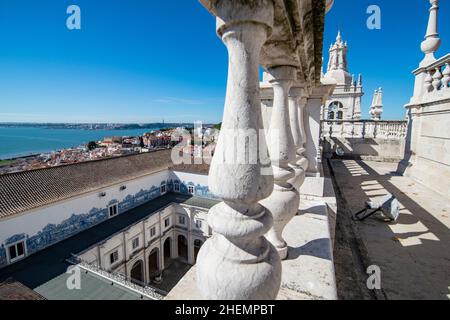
<point x="336" y="111"/>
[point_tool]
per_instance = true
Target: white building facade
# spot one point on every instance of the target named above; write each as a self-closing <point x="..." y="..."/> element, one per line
<point x="38" y="224"/>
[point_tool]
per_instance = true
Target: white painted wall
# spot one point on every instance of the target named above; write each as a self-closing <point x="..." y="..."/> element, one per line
<point x="190" y="177"/>
<point x="33" y="221"/>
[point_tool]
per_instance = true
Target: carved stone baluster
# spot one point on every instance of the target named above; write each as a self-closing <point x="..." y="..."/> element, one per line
<point x="237" y="262"/>
<point x="437" y="77"/>
<point x="303" y="162"/>
<point x="428" y="82"/>
<point x="294" y="110"/>
<point x="446" y="78"/>
<point x="285" y="199"/>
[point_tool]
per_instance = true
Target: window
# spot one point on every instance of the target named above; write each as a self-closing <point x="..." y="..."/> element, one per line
<point x="336" y="111"/>
<point x="167" y="223"/>
<point x="330" y="115"/>
<point x="182" y="220"/>
<point x="198" y="224"/>
<point x="113" y="210"/>
<point x="163" y="188"/>
<point x="114" y="257"/>
<point x="16" y="251"/>
<point x="135" y="243"/>
<point x="191" y="189"/>
<point x="152" y="232"/>
<point x="177" y="186"/>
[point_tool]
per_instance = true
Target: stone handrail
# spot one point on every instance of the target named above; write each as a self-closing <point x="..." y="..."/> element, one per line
<point x="437" y="77"/>
<point x="364" y="129"/>
<point x="133" y="285"/>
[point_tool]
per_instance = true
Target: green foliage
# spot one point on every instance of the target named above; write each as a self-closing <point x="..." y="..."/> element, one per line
<point x="5" y="162"/>
<point x="92" y="145"/>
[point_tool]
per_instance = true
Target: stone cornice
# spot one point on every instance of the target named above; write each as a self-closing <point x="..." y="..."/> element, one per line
<point x="297" y="38"/>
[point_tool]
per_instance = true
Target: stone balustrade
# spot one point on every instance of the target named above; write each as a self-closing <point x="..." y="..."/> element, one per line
<point x="118" y="278"/>
<point x="253" y="177"/>
<point x="426" y="156"/>
<point x="437" y="79"/>
<point x="395" y="130"/>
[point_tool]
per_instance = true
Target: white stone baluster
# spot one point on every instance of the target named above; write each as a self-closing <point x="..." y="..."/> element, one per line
<point x="437" y="77"/>
<point x="294" y="109"/>
<point x="237" y="262"/>
<point x="428" y="82"/>
<point x="446" y="78"/>
<point x="303" y="161"/>
<point x="283" y="203"/>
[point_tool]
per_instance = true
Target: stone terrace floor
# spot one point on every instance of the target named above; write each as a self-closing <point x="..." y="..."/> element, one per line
<point x="308" y="272"/>
<point x="413" y="254"/>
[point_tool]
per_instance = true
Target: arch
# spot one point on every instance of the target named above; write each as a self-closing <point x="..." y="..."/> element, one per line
<point x="167" y="247"/>
<point x="182" y="247"/>
<point x="197" y="245"/>
<point x="153" y="263"/>
<point x="137" y="272"/>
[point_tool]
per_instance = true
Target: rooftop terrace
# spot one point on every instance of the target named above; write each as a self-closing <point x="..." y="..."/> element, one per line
<point x="412" y="253"/>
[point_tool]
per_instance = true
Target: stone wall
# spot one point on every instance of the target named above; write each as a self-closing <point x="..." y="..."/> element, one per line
<point x="365" y="148"/>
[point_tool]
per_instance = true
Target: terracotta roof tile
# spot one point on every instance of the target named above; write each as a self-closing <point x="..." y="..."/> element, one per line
<point x="27" y="190"/>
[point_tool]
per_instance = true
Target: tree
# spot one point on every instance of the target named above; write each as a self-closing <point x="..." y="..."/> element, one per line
<point x="218" y="126"/>
<point x="92" y="145"/>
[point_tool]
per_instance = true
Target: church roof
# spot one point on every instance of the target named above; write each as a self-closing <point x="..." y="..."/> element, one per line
<point x="28" y="190"/>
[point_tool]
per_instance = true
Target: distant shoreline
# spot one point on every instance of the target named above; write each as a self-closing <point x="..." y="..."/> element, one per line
<point x="95" y="126"/>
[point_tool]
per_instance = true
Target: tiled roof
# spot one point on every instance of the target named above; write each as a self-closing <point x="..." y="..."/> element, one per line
<point x="27" y="190"/>
<point x="14" y="290"/>
<point x="192" y="168"/>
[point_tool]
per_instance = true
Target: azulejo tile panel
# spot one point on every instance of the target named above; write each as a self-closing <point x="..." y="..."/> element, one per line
<point x="53" y="233"/>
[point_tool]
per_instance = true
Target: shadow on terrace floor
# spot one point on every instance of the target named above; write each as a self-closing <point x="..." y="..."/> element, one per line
<point x="413" y="253"/>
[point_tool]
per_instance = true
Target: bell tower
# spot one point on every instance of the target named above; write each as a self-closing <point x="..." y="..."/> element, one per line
<point x="345" y="103"/>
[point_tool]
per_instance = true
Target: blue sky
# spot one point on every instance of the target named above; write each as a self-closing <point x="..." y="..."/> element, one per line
<point x="145" y="61"/>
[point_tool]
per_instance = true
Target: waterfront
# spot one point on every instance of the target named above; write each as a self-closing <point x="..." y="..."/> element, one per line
<point x="18" y="142"/>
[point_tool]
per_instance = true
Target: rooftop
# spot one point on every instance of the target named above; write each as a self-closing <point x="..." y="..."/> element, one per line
<point x="412" y="253"/>
<point x="14" y="290"/>
<point x="28" y="190"/>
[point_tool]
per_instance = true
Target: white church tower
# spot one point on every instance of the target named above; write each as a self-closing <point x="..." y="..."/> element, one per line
<point x="345" y="103"/>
